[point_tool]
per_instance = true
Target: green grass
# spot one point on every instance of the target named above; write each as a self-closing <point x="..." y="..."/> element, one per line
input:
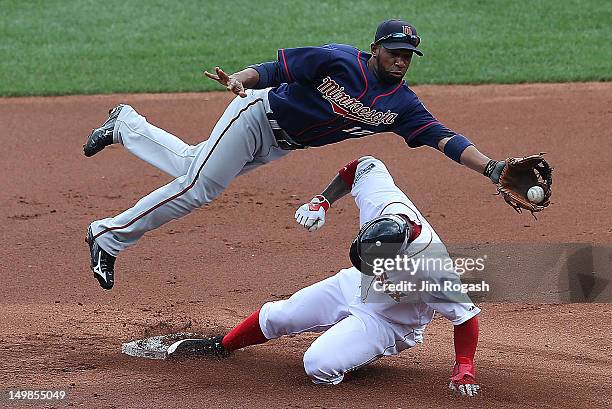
<point x="84" y="47"/>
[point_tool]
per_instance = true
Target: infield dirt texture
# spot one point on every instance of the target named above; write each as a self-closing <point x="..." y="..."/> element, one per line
<point x="205" y="272"/>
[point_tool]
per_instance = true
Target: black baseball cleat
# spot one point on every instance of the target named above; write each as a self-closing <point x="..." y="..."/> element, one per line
<point x="103" y="136"/>
<point x="210" y="346"/>
<point x="102" y="263"/>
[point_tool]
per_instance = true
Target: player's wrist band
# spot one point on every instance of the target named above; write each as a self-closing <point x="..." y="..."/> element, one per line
<point x="455" y="147"/>
<point x="323" y="202"/>
<point x="489" y="168"/>
<point x="347" y="173"/>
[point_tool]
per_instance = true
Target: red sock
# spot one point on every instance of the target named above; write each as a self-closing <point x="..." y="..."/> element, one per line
<point x="466" y="339"/>
<point x="248" y="332"/>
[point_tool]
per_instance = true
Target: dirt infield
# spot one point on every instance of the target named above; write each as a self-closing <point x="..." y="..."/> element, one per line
<point x="203" y="273"/>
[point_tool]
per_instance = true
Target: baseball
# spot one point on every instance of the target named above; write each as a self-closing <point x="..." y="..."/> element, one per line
<point x="535" y="194"/>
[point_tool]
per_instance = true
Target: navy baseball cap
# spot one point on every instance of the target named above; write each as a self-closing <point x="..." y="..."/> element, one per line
<point x="398" y="34"/>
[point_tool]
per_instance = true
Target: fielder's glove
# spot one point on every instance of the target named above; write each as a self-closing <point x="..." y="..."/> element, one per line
<point x="515" y="176"/>
<point x="463" y="379"/>
<point x="311" y="215"/>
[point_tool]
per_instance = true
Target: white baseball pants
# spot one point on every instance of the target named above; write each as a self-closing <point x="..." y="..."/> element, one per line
<point x="352" y="337"/>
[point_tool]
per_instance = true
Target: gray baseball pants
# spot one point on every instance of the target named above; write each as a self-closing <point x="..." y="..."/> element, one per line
<point x="241" y="140"/>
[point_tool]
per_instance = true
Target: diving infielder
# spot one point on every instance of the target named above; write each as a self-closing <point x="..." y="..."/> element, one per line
<point x="358" y="330"/>
<point x="310" y="97"/>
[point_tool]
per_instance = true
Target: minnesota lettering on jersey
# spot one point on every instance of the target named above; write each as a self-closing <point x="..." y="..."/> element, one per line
<point x="352" y="108"/>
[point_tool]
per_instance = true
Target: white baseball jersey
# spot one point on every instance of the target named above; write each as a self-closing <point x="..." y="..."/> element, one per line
<point x="376" y="194"/>
<point x="358" y="331"/>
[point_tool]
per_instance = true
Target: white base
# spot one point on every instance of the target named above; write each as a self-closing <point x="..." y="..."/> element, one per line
<point x="156" y="347"/>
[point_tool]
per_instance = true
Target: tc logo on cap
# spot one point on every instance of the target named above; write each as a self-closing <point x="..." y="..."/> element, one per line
<point x="407" y="30"/>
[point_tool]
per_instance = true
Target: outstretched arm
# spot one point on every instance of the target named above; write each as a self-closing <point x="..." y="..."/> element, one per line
<point x="472" y="158"/>
<point x="419" y="127"/>
<point x="303" y="64"/>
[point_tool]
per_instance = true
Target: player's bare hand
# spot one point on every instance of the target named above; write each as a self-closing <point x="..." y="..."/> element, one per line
<point x="231" y="82"/>
<point x="311" y="215"/>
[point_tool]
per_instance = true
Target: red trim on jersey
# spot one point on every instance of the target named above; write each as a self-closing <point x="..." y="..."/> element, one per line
<point x="347" y="173"/>
<point x="286" y="66"/>
<point x="421" y="129"/>
<point x="331" y="121"/>
<point x="353" y="121"/>
<point x="388" y="93"/>
<point x="416" y="227"/>
<point x="416" y="230"/>
<point x="365" y="78"/>
<point x="248" y="332"/>
<point x="466" y="339"/>
<point x="182" y="192"/>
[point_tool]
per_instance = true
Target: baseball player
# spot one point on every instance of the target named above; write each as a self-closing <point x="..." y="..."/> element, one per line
<point x="309" y="97"/>
<point x="357" y="330"/>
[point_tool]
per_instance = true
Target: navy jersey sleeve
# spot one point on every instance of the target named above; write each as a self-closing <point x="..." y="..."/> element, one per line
<point x="419" y="127"/>
<point x="303" y="65"/>
<point x="270" y="74"/>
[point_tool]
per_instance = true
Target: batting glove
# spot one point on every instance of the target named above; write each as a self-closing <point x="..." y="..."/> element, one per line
<point x="463" y="380"/>
<point x="311" y="215"/>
